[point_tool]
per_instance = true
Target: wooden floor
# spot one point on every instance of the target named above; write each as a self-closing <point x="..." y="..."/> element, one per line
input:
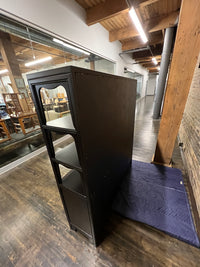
<point x="34" y="229"/>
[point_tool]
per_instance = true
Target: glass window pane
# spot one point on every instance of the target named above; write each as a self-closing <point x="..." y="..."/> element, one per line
<point x="34" y="51"/>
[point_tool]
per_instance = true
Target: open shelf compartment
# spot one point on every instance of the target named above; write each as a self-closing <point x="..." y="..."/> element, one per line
<point x="63" y="124"/>
<point x="68" y="157"/>
<point x="72" y="180"/>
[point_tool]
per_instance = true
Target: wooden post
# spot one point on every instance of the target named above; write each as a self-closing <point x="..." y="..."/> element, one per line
<point x="3" y="86"/>
<point x="11" y="63"/>
<point x="185" y="55"/>
<point x="92" y="65"/>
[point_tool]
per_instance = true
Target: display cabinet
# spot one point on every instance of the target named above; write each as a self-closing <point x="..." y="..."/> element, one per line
<point x="100" y="117"/>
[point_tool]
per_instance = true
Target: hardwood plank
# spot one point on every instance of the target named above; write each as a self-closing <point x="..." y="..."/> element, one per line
<point x="185" y="55"/>
<point x="34" y="229"/>
<point x="151" y="25"/>
<point x="105" y="10"/>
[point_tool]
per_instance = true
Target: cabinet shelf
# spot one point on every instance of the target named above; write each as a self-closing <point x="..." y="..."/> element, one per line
<point x="68" y="157"/>
<point x="72" y="181"/>
<point x="64" y="125"/>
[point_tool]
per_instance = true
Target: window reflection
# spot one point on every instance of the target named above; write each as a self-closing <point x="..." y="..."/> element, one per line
<point x="18" y="118"/>
<point x="55" y="102"/>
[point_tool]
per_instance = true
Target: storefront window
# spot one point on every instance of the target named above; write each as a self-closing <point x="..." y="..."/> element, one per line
<point x="26" y="50"/>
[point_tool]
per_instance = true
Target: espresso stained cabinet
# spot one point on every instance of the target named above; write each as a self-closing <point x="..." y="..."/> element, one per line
<point x="98" y="111"/>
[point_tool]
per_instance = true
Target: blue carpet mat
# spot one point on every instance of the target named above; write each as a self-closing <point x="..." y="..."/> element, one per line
<point x="156" y="195"/>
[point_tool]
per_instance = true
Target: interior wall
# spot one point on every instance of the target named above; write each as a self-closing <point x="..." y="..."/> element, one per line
<point x="151" y="85"/>
<point x="189" y="135"/>
<point x="66" y="19"/>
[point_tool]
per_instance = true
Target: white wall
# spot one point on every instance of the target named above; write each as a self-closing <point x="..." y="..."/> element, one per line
<point x="151" y="85"/>
<point x="66" y="19"/>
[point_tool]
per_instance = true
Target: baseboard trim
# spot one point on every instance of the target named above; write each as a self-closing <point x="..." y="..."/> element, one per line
<point x="35" y="153"/>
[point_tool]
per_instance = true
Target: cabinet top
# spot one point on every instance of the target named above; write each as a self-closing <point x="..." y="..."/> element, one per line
<point x="66" y="70"/>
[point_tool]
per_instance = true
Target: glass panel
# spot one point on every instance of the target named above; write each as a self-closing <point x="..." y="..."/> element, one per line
<point x="137" y="76"/>
<point x="19" y="124"/>
<point x="139" y="79"/>
<point x="104" y="65"/>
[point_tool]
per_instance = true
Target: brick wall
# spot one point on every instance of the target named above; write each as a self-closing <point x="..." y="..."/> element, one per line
<point x="189" y="134"/>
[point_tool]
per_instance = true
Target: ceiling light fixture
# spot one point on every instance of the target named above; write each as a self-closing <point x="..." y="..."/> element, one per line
<point x="38" y="61"/>
<point x="138" y="25"/>
<point x="155" y="62"/>
<point x="70" y="46"/>
<point x="3" y="71"/>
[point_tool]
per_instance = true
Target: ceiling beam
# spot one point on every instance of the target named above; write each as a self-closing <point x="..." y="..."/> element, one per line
<point x="147" y="59"/>
<point x="184" y="60"/>
<point x="150" y="65"/>
<point x="143" y="3"/>
<point x="153" y="71"/>
<point x="105" y="10"/>
<point x="137" y="42"/>
<point x="151" y="25"/>
<point x="157" y="51"/>
<point x="144" y="63"/>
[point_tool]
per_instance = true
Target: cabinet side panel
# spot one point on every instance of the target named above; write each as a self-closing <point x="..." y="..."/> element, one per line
<point x="106" y="111"/>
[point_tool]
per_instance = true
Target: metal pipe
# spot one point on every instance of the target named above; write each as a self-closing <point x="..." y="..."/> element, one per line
<point x="160" y="88"/>
<point x="134" y="50"/>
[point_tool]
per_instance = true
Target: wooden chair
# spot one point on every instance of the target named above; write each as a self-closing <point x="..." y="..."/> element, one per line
<point x="4" y="131"/>
<point x="21" y="111"/>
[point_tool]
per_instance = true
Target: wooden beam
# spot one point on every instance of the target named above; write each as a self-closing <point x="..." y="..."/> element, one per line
<point x="185" y="55"/>
<point x="137" y="42"/>
<point x="92" y="65"/>
<point x="162" y="22"/>
<point x="4" y="88"/>
<point x="147" y="59"/>
<point x="152" y="67"/>
<point x="105" y="10"/>
<point x="11" y="63"/>
<point x="150" y="62"/>
<point x="157" y="50"/>
<point x="143" y="3"/>
<point x="149" y="65"/>
<point x="153" y="71"/>
<point x="151" y="25"/>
